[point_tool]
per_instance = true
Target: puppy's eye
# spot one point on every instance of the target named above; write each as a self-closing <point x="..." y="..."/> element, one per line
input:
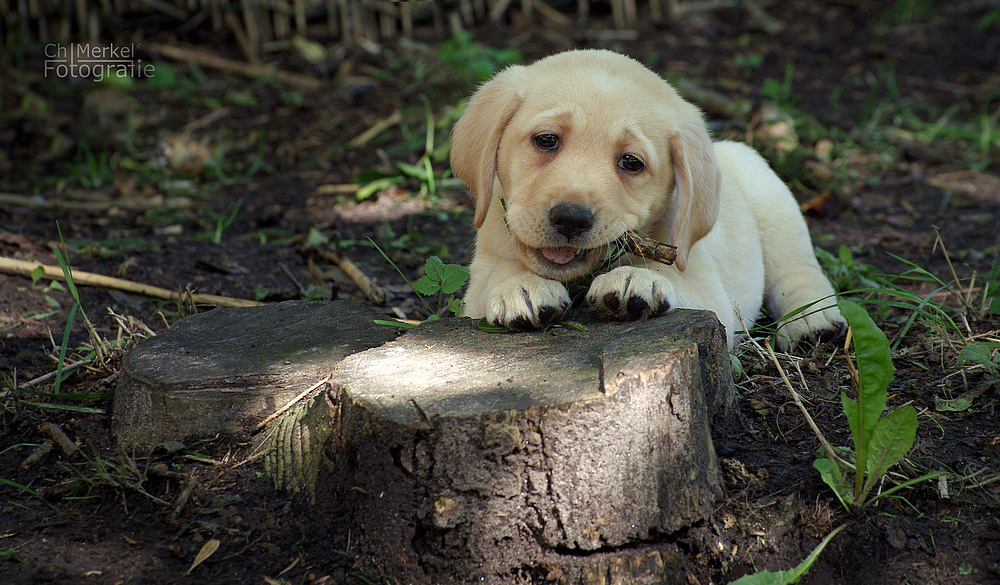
<point x="630" y="163"/>
<point x="547" y="141"/>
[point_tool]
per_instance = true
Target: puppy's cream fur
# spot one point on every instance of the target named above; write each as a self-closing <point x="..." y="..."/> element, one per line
<point x="615" y="147"/>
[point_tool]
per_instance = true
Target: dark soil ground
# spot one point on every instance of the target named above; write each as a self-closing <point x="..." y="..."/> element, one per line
<point x="895" y="107"/>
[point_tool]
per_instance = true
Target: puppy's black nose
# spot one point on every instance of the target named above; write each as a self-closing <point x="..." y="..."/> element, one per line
<point x="571" y="220"/>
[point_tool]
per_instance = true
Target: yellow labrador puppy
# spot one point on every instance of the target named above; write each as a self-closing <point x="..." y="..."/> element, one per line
<point x="564" y="155"/>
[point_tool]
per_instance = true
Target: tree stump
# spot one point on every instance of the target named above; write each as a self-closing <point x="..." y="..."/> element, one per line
<point x="224" y="370"/>
<point x="458" y="455"/>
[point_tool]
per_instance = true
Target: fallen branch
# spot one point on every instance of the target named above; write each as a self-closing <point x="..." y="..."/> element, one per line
<point x="648" y="248"/>
<point x="374" y="293"/>
<point x="183" y="498"/>
<point x="375" y="129"/>
<point x="247" y="69"/>
<point x="26" y="267"/>
<point x="134" y="203"/>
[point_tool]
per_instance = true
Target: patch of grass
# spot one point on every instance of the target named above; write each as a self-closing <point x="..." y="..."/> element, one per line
<point x="429" y="180"/>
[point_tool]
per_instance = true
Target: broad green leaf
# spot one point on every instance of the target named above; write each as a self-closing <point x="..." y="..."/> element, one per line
<point x="316" y="238"/>
<point x="979" y="353"/>
<point x="830" y="472"/>
<point x="792" y="575"/>
<point x="454" y="277"/>
<point x="441" y="277"/>
<point x="426" y="286"/>
<point x="875" y="371"/>
<point x="894" y="435"/>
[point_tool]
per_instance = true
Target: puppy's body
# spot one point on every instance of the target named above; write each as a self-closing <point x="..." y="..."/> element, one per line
<point x="565" y="155"/>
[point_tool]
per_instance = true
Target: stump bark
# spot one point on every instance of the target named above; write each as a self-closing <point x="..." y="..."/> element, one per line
<point x="459" y="455"/>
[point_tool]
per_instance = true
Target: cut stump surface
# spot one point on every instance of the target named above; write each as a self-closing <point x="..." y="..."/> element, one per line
<point x="219" y="371"/>
<point x="460" y="455"/>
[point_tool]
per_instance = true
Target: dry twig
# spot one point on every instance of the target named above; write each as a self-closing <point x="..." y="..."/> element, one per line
<point x="25" y="267"/>
<point x="374" y="293"/>
<point x="648" y="248"/>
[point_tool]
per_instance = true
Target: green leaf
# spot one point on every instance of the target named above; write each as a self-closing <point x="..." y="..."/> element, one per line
<point x="792" y="575"/>
<point x="399" y="324"/>
<point x="875" y="371"/>
<point x="316" y="238"/>
<point x="426" y="286"/>
<point x="830" y="472"/>
<point x="960" y="404"/>
<point x="893" y="436"/>
<point x="979" y="353"/>
<point x="453" y="278"/>
<point x="440" y="277"/>
<point x="378" y="185"/>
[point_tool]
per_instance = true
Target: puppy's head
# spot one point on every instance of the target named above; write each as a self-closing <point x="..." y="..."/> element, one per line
<point x="578" y="148"/>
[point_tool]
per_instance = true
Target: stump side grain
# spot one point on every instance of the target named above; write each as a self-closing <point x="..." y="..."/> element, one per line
<point x="468" y="456"/>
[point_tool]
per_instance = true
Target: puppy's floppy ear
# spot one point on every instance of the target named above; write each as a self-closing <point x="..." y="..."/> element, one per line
<point x="698" y="180"/>
<point x="476" y="136"/>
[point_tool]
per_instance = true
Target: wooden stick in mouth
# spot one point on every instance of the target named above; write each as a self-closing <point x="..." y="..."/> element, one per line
<point x="648" y="248"/>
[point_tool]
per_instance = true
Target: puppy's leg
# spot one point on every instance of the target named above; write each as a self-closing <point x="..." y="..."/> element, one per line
<point x="793" y="280"/>
<point x="508" y="295"/>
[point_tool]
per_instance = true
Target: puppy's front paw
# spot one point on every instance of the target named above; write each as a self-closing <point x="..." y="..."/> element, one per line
<point x="628" y="293"/>
<point x="527" y="302"/>
<point x="813" y="326"/>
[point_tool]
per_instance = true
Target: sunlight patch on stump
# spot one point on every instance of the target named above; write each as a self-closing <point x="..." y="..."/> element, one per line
<point x="457" y="455"/>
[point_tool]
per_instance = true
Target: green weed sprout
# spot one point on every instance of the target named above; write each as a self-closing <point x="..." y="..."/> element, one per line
<point x="880" y="439"/>
<point x="439" y="279"/>
<point x="443" y="280"/>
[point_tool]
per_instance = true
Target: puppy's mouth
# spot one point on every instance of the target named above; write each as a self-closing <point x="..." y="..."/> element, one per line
<point x="562" y="255"/>
<point x="563" y="263"/>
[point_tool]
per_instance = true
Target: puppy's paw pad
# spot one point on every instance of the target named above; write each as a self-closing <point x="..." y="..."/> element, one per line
<point x="629" y="294"/>
<point x="527" y="303"/>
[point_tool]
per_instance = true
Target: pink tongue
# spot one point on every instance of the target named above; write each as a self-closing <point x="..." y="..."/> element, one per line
<point x="561" y="255"/>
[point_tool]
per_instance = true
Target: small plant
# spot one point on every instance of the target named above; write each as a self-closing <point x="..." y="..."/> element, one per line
<point x="986" y="355"/>
<point x="845" y="272"/>
<point x="373" y="181"/>
<point x="439" y="279"/>
<point x="991" y="294"/>
<point x="224" y="220"/>
<point x="880" y="439"/>
<point x="780" y="92"/>
<point x="443" y="280"/>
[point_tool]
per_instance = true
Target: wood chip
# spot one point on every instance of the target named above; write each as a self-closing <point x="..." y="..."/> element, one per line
<point x="59" y="438"/>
